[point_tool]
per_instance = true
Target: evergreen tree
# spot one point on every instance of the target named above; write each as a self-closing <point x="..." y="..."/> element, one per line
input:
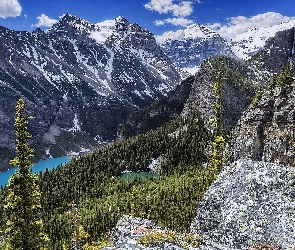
<point x="287" y="76"/>
<point x="79" y="235"/>
<point x="24" y="226"/>
<point x="217" y="160"/>
<point x="217" y="92"/>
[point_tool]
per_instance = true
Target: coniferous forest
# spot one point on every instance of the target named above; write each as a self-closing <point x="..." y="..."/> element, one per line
<point x="82" y="200"/>
<point x="93" y="183"/>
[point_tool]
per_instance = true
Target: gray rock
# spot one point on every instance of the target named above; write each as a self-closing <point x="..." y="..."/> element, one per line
<point x="250" y="203"/>
<point x="129" y="229"/>
<point x="266" y="132"/>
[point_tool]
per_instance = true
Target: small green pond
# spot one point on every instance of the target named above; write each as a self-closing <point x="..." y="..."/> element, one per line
<point x="140" y="175"/>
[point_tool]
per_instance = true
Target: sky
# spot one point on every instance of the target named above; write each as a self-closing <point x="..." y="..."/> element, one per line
<point x="228" y="17"/>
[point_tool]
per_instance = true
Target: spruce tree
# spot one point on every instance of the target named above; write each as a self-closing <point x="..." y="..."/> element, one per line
<point x="24" y="226"/>
<point x="217" y="159"/>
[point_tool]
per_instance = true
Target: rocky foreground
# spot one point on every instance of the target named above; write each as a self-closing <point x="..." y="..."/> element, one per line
<point x="250" y="206"/>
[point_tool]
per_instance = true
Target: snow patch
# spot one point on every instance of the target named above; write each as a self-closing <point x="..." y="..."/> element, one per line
<point x="106" y="29"/>
<point x="192" y="71"/>
<point x="76" y="127"/>
<point x="249" y="43"/>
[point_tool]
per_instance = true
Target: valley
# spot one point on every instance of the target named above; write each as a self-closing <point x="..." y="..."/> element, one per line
<point x="118" y="90"/>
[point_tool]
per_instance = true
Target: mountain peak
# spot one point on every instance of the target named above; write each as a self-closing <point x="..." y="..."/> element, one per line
<point x="70" y="22"/>
<point x="121" y="24"/>
<point x="70" y="17"/>
<point x="121" y="19"/>
<point x="192" y="31"/>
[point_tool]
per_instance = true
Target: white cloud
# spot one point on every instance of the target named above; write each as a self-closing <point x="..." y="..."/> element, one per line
<point x="181" y="9"/>
<point x="240" y="24"/>
<point x="159" y="22"/>
<point x="179" y="21"/>
<point x="9" y="8"/>
<point x="44" y="21"/>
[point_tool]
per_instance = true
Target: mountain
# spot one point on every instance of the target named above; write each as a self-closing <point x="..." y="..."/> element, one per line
<point x="240" y="78"/>
<point x="158" y="113"/>
<point x="188" y="48"/>
<point x="79" y="80"/>
<point x="276" y="52"/>
<point x="252" y="41"/>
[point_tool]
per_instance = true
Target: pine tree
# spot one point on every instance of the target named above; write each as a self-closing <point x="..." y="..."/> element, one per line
<point x="217" y="159"/>
<point x="287" y="76"/>
<point x="79" y="235"/>
<point x="24" y="226"/>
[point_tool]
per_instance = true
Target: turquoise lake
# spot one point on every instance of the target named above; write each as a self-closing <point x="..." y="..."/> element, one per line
<point x="36" y="168"/>
<point x="140" y="175"/>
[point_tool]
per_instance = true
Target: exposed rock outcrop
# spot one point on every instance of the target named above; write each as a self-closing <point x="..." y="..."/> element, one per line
<point x="72" y="75"/>
<point x="250" y="203"/>
<point x="237" y="94"/>
<point x="129" y="229"/>
<point x="267" y="132"/>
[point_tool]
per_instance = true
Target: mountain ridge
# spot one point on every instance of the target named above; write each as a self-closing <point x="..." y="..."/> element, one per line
<point x="65" y="77"/>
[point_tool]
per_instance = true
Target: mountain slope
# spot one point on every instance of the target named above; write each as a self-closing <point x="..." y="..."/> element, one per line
<point x="190" y="47"/>
<point x="80" y="78"/>
<point x="252" y="41"/>
<point x="158" y="113"/>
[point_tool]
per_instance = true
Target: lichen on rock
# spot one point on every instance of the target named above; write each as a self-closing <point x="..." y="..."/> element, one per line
<point x="250" y="203"/>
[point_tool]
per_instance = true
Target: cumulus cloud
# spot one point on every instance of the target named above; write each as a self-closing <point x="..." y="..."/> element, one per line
<point x="240" y="24"/>
<point x="44" y="21"/>
<point x="179" y="11"/>
<point x="10" y="8"/>
<point x="180" y="21"/>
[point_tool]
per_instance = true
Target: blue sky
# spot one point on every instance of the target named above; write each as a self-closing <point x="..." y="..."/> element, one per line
<point x="158" y="16"/>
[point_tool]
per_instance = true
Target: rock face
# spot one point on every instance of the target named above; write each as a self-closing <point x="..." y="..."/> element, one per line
<point x="276" y="52"/>
<point x="237" y="93"/>
<point x="80" y="77"/>
<point x="250" y="203"/>
<point x="267" y="132"/>
<point x="248" y="44"/>
<point x="129" y="229"/>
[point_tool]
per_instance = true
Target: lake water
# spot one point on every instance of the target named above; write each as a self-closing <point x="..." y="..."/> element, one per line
<point x="36" y="168"/>
<point x="140" y="175"/>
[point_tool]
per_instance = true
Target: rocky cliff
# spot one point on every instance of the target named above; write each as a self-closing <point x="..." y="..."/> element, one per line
<point x="250" y="203"/>
<point x="238" y="88"/>
<point x="266" y="132"/>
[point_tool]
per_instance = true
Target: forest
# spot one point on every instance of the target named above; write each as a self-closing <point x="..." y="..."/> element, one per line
<point x="90" y="191"/>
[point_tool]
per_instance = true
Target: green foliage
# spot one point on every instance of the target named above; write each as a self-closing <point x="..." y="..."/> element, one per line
<point x="158" y="113"/>
<point x="183" y="240"/>
<point x="79" y="235"/>
<point x="286" y="77"/>
<point x="218" y="108"/>
<point x="273" y="82"/>
<point x="24" y="226"/>
<point x="94" y="182"/>
<point x="217" y="159"/>
<point x="232" y="70"/>
<point x="257" y="97"/>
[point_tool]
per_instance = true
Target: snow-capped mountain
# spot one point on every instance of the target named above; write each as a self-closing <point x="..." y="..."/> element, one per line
<point x="80" y="77"/>
<point x="188" y="48"/>
<point x="252" y="41"/>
